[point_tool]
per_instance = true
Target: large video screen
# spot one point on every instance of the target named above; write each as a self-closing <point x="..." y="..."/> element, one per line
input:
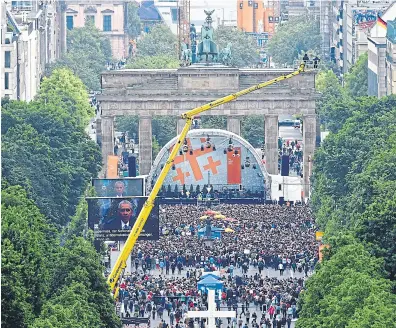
<point x="118" y="187"/>
<point x="113" y="218"/>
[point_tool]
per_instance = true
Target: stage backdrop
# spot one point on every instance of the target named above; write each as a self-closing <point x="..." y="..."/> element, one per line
<point x="107" y="217"/>
<point x="215" y="165"/>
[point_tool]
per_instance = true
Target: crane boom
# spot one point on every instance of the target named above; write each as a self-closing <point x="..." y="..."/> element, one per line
<point x="120" y="264"/>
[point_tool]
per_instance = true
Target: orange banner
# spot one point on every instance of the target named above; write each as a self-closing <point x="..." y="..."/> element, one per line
<point x="112" y="167"/>
<point x="234" y="166"/>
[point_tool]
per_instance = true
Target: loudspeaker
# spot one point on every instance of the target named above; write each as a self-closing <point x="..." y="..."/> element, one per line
<point x="132" y="166"/>
<point x="285" y="166"/>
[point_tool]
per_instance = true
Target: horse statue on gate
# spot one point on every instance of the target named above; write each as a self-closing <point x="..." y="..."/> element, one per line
<point x="226" y="55"/>
<point x="186" y="55"/>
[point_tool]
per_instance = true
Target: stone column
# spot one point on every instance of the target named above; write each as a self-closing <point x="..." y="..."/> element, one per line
<point x="145" y="144"/>
<point x="181" y="122"/>
<point x="271" y="143"/>
<point x="234" y="124"/>
<point x="107" y="131"/>
<point x="63" y="31"/>
<point x="309" y="142"/>
<point x="318" y="135"/>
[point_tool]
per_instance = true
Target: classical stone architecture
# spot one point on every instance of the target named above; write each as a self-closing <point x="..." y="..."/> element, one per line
<point x="171" y="92"/>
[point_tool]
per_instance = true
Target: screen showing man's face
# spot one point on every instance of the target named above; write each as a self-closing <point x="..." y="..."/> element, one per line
<point x="119" y="188"/>
<point x="125" y="212"/>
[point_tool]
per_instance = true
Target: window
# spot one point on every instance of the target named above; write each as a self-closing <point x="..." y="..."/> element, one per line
<point x="69" y="22"/>
<point x="90" y="18"/>
<point x="7" y="59"/>
<point x="106" y="23"/>
<point x="6" y="81"/>
<point x="174" y="15"/>
<point x="241" y="5"/>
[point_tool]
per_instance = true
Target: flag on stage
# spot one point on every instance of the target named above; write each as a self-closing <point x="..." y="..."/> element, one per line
<point x="234" y="166"/>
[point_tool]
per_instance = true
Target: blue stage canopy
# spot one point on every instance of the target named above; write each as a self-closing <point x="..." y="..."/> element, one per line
<point x="210" y="283"/>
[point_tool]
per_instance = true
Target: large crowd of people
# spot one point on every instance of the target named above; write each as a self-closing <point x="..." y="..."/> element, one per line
<point x="292" y="149"/>
<point x="262" y="238"/>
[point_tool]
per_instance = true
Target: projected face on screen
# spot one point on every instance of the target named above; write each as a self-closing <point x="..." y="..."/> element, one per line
<point x="113" y="218"/>
<point x="118" y="187"/>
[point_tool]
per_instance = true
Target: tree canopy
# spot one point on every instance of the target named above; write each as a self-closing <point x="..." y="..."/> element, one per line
<point x="353" y="201"/>
<point x="153" y="62"/>
<point x="50" y="277"/>
<point x="294" y="37"/>
<point x="159" y="41"/>
<point x="163" y="127"/>
<point x="347" y="283"/>
<point x="134" y="25"/>
<point x="87" y="54"/>
<point x="45" y="148"/>
<point x="356" y="81"/>
<point x="244" y="51"/>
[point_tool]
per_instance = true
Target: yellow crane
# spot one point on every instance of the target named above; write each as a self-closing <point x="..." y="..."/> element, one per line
<point x="120" y="264"/>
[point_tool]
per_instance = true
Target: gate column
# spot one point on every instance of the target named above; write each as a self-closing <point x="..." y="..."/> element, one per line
<point x="271" y="143"/>
<point x="234" y="124"/>
<point x="107" y="130"/>
<point x="145" y="144"/>
<point x="309" y="142"/>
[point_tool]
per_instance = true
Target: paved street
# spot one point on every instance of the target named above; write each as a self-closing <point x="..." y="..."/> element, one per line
<point x="289" y="132"/>
<point x="237" y="271"/>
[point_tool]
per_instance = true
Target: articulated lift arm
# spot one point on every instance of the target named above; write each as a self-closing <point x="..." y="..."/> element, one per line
<point x="120" y="265"/>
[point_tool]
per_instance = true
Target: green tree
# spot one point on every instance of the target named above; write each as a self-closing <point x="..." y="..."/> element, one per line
<point x="128" y="124"/>
<point x="27" y="246"/>
<point x="298" y="35"/>
<point x="159" y="41"/>
<point x="153" y="62"/>
<point x="334" y="105"/>
<point x="340" y="286"/>
<point x="134" y="26"/>
<point x="86" y="56"/>
<point x="253" y="130"/>
<point x="244" y="50"/>
<point x="164" y="127"/>
<point x="356" y="81"/>
<point x="49" y="134"/>
<point x="77" y="262"/>
<point x="214" y="122"/>
<point x="156" y="147"/>
<point x="63" y="89"/>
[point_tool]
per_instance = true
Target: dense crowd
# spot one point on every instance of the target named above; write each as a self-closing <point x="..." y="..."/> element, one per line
<point x="293" y="149"/>
<point x="264" y="237"/>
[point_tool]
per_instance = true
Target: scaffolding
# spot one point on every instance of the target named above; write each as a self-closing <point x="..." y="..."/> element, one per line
<point x="183" y="26"/>
<point x="325" y="27"/>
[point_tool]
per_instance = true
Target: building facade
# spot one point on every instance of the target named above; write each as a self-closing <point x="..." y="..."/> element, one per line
<point x="257" y="16"/>
<point x="32" y="36"/>
<point x="108" y="16"/>
<point x="377" y="54"/>
<point x="350" y="23"/>
<point x="390" y="62"/>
